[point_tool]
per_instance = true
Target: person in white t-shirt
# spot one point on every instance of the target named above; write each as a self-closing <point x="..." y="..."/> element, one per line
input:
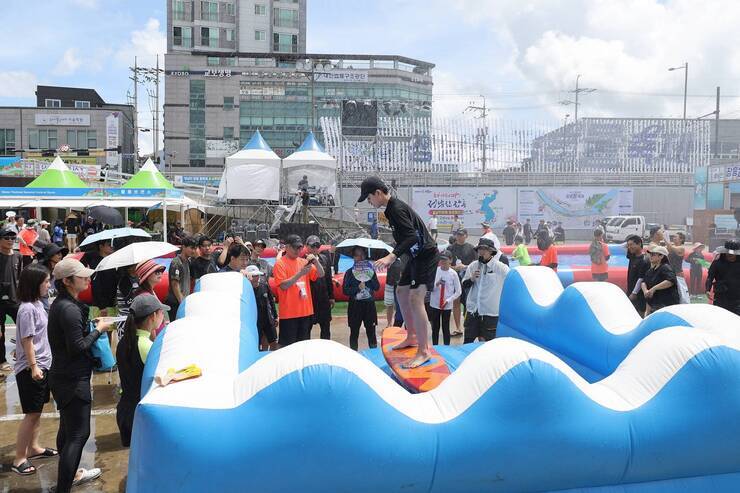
<point x="432" y="225"/>
<point x="446" y="290"/>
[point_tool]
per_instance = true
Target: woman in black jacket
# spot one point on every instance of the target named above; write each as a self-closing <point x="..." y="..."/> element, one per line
<point x="660" y="285"/>
<point x="70" y="339"/>
<point x="724" y="278"/>
<point x="361" y="307"/>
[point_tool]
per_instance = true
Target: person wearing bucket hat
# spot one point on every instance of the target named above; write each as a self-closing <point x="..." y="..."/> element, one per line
<point x="484" y="280"/>
<point x="659" y="286"/>
<point x="146" y="313"/>
<point x="724" y="277"/>
<point x="51" y="254"/>
<point x="415" y="243"/>
<point x="70" y="339"/>
<point x="149" y="273"/>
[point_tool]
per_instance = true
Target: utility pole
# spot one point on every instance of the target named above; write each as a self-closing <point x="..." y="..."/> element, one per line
<point x="716" y="126"/>
<point x="148" y="75"/>
<point x="156" y="113"/>
<point x="578" y="91"/>
<point x="135" y="78"/>
<point x="685" y="68"/>
<point x="483" y="115"/>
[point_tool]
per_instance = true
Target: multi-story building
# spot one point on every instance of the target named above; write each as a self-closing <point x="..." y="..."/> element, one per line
<point x="219" y="90"/>
<point x="76" y="123"/>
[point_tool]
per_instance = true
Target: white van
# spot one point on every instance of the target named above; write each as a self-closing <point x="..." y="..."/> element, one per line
<point x="620" y="227"/>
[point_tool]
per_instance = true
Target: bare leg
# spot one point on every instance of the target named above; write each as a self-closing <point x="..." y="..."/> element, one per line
<point x="25" y="437"/>
<point x="34" y="447"/>
<point x="423" y="350"/>
<point x="389" y="315"/>
<point x="403" y="293"/>
<point x="457" y="314"/>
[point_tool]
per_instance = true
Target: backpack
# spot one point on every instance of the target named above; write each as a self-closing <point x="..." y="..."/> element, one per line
<point x="596" y="253"/>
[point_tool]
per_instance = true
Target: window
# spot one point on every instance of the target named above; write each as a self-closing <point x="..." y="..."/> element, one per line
<point x="209" y="11"/>
<point x="42" y="139"/>
<point x="82" y="139"/>
<point x="197" y="123"/>
<point x="260" y="9"/>
<point x="53" y="103"/>
<point x="213" y="60"/>
<point x="229" y="61"/>
<point x="629" y="222"/>
<point x="177" y="36"/>
<point x="182" y="36"/>
<point x="259" y="35"/>
<point x="228" y="102"/>
<point x="229" y="35"/>
<point x="285" y="18"/>
<point x="178" y="10"/>
<point x="285" y="43"/>
<point x="209" y="36"/>
<point x="228" y="133"/>
<point x="230" y="9"/>
<point x="7" y="142"/>
<point x="82" y="104"/>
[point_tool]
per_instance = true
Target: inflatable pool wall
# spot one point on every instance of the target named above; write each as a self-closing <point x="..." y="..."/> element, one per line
<point x="318" y="417"/>
<point x="591" y="325"/>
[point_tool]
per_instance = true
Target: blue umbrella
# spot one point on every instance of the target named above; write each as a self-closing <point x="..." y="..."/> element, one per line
<point x="110" y="234"/>
<point x="376" y="249"/>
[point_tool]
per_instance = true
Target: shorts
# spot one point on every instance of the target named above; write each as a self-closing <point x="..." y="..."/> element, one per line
<point x="294" y="330"/>
<point x="479" y="326"/>
<point x="420" y="271"/>
<point x="71" y="236"/>
<point x="389" y="296"/>
<point x="600" y="277"/>
<point x="33" y="394"/>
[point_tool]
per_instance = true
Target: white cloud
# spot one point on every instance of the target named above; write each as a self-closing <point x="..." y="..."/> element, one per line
<point x="17" y="84"/>
<point x="89" y="4"/>
<point x="69" y="63"/>
<point x="623" y="48"/>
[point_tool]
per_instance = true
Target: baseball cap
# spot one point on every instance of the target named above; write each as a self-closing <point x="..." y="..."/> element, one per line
<point x="486" y="243"/>
<point x="313" y="240"/>
<point x="446" y="255"/>
<point x="370" y="185"/>
<point x="44" y="222"/>
<point x="485" y="225"/>
<point x="294" y="241"/>
<point x="146" y="304"/>
<point x="260" y="243"/>
<point x="7" y="233"/>
<point x="68" y="267"/>
<point x="10" y="214"/>
<point x="253" y="270"/>
<point x="461" y="231"/>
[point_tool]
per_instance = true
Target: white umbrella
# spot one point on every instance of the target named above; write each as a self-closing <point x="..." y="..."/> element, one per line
<point x="135" y="253"/>
<point x="376" y="249"/>
<point x="110" y="234"/>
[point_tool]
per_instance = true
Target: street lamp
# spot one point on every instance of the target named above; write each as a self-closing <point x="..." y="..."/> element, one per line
<point x="685" y="68"/>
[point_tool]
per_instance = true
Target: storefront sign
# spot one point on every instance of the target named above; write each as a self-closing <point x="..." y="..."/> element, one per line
<point x="78" y="120"/>
<point x="343" y="76"/>
<point x="725" y="172"/>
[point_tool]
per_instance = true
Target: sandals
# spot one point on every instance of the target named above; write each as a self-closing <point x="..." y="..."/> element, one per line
<point x="87" y="476"/>
<point x="24" y="469"/>
<point x="48" y="453"/>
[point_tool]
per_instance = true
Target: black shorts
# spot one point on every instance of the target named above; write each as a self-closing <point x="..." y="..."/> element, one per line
<point x="33" y="394"/>
<point x="420" y="271"/>
<point x="294" y="330"/>
<point x="479" y="326"/>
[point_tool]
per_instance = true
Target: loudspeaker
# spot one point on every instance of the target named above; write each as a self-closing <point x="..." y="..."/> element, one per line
<point x="302" y="230"/>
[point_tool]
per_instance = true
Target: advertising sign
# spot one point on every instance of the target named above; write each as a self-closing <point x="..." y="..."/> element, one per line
<point x="79" y="120"/>
<point x="112" y="158"/>
<point x="576" y="208"/>
<point x="206" y="181"/>
<point x="341" y="76"/>
<point x="472" y="205"/>
<point x="221" y="148"/>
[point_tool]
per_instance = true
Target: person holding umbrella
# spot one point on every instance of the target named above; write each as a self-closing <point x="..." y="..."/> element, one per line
<point x="359" y="284"/>
<point x="413" y="241"/>
<point x="104" y="283"/>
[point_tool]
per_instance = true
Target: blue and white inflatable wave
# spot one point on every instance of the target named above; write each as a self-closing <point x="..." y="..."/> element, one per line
<point x="591" y="325"/>
<point x="318" y="417"/>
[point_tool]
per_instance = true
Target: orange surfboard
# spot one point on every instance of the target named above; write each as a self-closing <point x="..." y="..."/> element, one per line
<point x="422" y="379"/>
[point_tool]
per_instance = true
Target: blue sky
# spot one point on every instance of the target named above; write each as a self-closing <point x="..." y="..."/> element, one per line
<point x="523" y="54"/>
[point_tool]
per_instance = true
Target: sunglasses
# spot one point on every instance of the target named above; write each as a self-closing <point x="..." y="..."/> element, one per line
<point x="655" y="254"/>
<point x="315" y="245"/>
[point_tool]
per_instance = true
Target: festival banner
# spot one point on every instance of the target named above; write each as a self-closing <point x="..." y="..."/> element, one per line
<point x="576" y="208"/>
<point x="472" y="205"/>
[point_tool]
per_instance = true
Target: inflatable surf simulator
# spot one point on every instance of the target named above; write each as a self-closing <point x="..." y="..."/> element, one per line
<point x="512" y="416"/>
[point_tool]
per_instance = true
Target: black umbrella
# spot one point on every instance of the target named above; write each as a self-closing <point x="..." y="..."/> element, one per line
<point x="106" y="215"/>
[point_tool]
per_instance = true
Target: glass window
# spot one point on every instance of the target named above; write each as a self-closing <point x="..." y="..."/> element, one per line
<point x="7" y="142"/>
<point x="259" y="35"/>
<point x="42" y="139"/>
<point x="285" y="43"/>
<point x="82" y="104"/>
<point x="228" y="102"/>
<point x="228" y="133"/>
<point x="230" y="9"/>
<point x="53" y="103"/>
<point x="187" y="37"/>
<point x="260" y="9"/>
<point x="213" y="60"/>
<point x="229" y="35"/>
<point x="33" y="138"/>
<point x="209" y="11"/>
<point x="178" y="10"/>
<point x="92" y="139"/>
<point x="285" y="18"/>
<point x="209" y="36"/>
<point x="230" y="61"/>
<point x="72" y="138"/>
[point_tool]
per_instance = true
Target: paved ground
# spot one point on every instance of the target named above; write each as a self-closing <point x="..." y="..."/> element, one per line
<point x="103" y="449"/>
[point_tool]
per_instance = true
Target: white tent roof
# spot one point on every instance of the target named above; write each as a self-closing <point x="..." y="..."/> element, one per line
<point x="253" y="173"/>
<point x="309" y="155"/>
<point x="255" y="152"/>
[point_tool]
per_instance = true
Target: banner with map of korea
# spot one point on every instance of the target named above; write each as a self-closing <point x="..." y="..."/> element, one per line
<point x="473" y="205"/>
<point x="576" y="207"/>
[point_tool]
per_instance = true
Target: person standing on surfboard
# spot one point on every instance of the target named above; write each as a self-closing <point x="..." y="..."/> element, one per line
<point x="417" y="277"/>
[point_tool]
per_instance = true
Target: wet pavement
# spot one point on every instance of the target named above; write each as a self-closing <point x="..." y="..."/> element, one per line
<point x="103" y="449"/>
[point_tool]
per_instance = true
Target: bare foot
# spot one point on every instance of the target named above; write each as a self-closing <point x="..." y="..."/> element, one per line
<point x="408" y="342"/>
<point x="419" y="360"/>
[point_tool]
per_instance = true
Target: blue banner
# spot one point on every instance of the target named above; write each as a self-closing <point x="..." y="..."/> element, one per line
<point x="90" y="192"/>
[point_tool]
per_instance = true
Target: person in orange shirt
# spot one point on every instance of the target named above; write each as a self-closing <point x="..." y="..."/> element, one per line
<point x="599" y="253"/>
<point x="292" y="275"/>
<point x="26" y="239"/>
<point x="550" y="255"/>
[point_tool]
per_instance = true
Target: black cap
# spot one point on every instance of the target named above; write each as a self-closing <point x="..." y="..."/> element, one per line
<point x="313" y="240"/>
<point x="486" y="243"/>
<point x="294" y="241"/>
<point x="7" y="233"/>
<point x="49" y="250"/>
<point x="370" y="185"/>
<point x="260" y="243"/>
<point x="445" y="254"/>
<point x="461" y="231"/>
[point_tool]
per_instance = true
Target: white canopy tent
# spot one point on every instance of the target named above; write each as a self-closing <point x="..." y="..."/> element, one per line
<point x="252" y="173"/>
<point x="310" y="160"/>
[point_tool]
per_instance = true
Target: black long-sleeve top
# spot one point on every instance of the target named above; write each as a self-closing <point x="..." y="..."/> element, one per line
<point x="724" y="276"/>
<point x="70" y="338"/>
<point x="409" y="231"/>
